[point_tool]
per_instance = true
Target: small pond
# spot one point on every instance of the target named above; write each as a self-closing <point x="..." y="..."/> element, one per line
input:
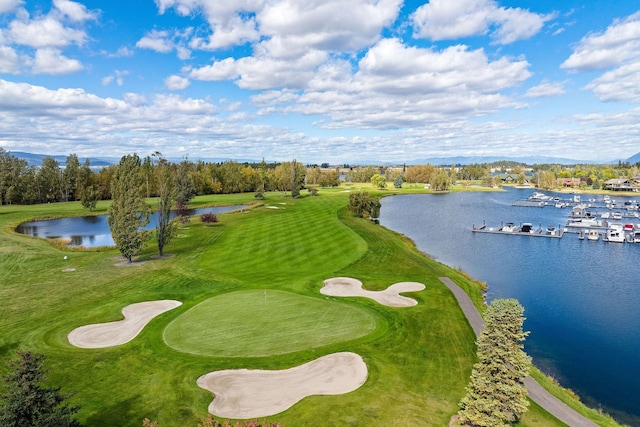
<point x="93" y="231"/>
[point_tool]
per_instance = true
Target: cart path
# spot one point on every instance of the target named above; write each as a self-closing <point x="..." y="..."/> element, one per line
<point x="537" y="393"/>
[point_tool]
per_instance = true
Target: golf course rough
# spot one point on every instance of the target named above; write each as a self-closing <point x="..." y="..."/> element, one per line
<point x="258" y="323"/>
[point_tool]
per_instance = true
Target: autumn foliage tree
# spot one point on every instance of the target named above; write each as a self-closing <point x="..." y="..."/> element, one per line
<point x="361" y="204"/>
<point x="496" y="395"/>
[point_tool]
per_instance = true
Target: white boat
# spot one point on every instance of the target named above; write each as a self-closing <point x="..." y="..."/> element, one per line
<point x="616" y="215"/>
<point x="539" y="196"/>
<point x="605" y="215"/>
<point x="615" y="233"/>
<point x="509" y="227"/>
<point x="593" y="235"/>
<point x="584" y="223"/>
<point x="636" y="237"/>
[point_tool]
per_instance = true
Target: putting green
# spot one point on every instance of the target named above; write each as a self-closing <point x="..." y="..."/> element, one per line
<point x="257" y="323"/>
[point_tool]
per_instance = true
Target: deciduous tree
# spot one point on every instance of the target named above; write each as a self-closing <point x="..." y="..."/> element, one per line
<point x="165" y="228"/>
<point x="363" y="205"/>
<point x="128" y="213"/>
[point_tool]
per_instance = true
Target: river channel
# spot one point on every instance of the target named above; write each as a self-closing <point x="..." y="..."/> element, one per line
<point x="581" y="297"/>
<point x="93" y="231"/>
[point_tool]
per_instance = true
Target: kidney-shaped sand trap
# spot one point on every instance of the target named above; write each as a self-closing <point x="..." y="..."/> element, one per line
<point x="245" y="393"/>
<point x="136" y="317"/>
<point x="348" y="287"/>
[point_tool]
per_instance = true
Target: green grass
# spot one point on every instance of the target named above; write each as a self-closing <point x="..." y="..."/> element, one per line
<point x="257" y="323"/>
<point x="419" y="358"/>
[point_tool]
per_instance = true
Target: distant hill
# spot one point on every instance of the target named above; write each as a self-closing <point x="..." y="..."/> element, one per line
<point x="36" y="159"/>
<point x="468" y="160"/>
<point x="634" y="159"/>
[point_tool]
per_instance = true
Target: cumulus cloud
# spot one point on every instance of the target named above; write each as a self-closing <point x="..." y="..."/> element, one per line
<point x="9" y="60"/>
<point x="75" y="11"/>
<point x="52" y="61"/>
<point x="396" y="86"/>
<point x="617" y="49"/>
<point x="617" y="44"/>
<point x="288" y="27"/>
<point x="619" y="85"/>
<point x="176" y="83"/>
<point x="46" y="31"/>
<point x="545" y="89"/>
<point x="452" y="19"/>
<point x="158" y="41"/>
<point x="9" y="5"/>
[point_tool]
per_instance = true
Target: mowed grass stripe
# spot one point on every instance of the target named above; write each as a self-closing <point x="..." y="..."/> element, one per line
<point x="291" y="238"/>
<point x="257" y="323"/>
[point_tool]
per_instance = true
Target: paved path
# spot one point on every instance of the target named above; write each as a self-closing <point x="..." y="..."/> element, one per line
<point x="537" y="393"/>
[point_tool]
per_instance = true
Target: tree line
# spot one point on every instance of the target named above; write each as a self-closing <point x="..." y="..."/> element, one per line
<point x="21" y="183"/>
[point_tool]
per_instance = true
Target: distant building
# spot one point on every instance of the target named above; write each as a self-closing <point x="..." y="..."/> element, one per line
<point x="511" y="178"/>
<point x="568" y="182"/>
<point x="619" y="184"/>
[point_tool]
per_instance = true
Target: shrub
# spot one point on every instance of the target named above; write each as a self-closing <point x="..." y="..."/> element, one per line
<point x="209" y="218"/>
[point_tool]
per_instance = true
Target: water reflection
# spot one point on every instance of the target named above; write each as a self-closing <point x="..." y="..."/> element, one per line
<point x="93" y="231"/>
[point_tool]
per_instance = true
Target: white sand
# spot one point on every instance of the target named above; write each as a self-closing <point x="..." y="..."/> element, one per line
<point x="136" y="317"/>
<point x="348" y="287"/>
<point x="245" y="393"/>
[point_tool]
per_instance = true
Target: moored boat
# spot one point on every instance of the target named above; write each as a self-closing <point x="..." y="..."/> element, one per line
<point x="593" y="235"/>
<point x="615" y="233"/>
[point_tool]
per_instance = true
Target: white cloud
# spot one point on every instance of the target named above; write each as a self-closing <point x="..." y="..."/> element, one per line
<point x="617" y="44"/>
<point x="52" y="61"/>
<point x="107" y="80"/>
<point x="75" y="11"/>
<point x="9" y="60"/>
<point x="620" y="85"/>
<point x="156" y="40"/>
<point x="44" y="32"/>
<point x="452" y="19"/>
<point x="176" y="83"/>
<point x="397" y="86"/>
<point x="9" y="5"/>
<point x="545" y="89"/>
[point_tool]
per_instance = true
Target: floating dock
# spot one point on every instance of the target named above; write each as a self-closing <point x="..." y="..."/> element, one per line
<point x="524" y="229"/>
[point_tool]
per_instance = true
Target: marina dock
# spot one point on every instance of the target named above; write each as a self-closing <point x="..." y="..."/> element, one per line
<point x="524" y="229"/>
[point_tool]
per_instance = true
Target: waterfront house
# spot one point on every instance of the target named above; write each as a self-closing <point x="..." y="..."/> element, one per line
<point x="619" y="184"/>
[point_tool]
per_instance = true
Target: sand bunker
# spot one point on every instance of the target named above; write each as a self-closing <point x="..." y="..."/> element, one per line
<point x="136" y="317"/>
<point x="348" y="287"/>
<point x="244" y="393"/>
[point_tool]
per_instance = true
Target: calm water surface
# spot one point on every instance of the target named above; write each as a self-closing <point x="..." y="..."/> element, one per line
<point x="581" y="298"/>
<point x="93" y="231"/>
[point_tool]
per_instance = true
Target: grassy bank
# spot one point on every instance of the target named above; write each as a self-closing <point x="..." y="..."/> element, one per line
<point x="419" y="358"/>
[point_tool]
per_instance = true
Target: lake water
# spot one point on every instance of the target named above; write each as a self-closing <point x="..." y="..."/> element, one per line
<point x="93" y="231"/>
<point x="581" y="297"/>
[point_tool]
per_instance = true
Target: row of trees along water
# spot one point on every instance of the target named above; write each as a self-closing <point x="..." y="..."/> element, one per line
<point x="27" y="184"/>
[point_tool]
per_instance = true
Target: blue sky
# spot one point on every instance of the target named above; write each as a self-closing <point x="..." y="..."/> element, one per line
<point x="321" y="80"/>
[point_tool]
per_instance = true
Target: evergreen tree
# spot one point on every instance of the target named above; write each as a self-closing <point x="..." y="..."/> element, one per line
<point x="128" y="213"/>
<point x="496" y="395"/>
<point x="26" y="403"/>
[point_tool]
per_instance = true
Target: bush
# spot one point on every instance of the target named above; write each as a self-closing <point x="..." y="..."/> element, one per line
<point x="209" y="218"/>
